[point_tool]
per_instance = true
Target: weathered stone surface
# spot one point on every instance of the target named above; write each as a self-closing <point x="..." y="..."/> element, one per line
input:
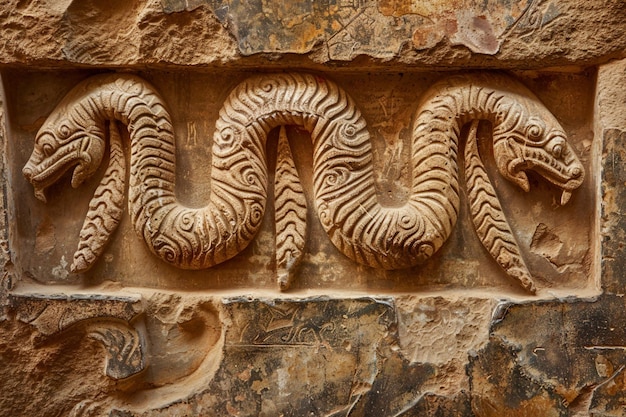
<point x="102" y="318"/>
<point x="527" y="243"/>
<point x="611" y="126"/>
<point x="520" y="34"/>
<point x="303" y="132"/>
<point x="274" y="357"/>
<point x="331" y="357"/>
<point x="553" y="358"/>
<point x="326" y="357"/>
<point x="149" y="345"/>
<point x="613" y="222"/>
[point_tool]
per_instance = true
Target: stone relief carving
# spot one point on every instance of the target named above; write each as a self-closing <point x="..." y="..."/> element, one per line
<point x="526" y="136"/>
<point x="128" y="334"/>
<point x="105" y="208"/>
<point x="290" y="214"/>
<point x="104" y="319"/>
<point x="490" y="224"/>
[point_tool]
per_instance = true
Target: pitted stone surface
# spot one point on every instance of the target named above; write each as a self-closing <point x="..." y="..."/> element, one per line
<point x="311" y="127"/>
<point x="459" y="33"/>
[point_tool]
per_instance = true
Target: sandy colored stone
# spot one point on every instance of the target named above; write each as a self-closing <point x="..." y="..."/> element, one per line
<point x="525" y="34"/>
<point x="380" y="256"/>
<point x="458" y="336"/>
<point x="443" y="332"/>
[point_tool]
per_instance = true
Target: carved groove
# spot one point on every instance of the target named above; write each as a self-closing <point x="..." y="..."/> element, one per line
<point x="525" y="134"/>
<point x="125" y="356"/>
<point x="290" y="214"/>
<point x="488" y="217"/>
<point x="105" y="319"/>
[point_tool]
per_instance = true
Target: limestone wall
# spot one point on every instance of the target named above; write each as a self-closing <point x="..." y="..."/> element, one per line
<point x="330" y="208"/>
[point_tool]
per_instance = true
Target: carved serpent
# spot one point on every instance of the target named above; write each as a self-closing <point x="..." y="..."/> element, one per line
<point x="525" y="136"/>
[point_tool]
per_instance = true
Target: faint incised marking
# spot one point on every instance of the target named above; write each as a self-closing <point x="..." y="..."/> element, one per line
<point x="526" y="136"/>
<point x="192" y="135"/>
<point x="290" y="324"/>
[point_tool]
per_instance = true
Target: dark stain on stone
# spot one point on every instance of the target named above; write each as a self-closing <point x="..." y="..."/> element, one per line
<point x="546" y="354"/>
<point x="609" y="398"/>
<point x="316" y="356"/>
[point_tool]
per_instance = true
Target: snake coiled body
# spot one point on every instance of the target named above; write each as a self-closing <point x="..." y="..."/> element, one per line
<point x="343" y="173"/>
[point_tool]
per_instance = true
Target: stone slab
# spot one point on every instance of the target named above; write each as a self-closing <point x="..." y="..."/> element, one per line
<point x="352" y="33"/>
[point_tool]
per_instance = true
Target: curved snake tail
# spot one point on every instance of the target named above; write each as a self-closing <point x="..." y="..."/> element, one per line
<point x="105" y="208"/>
<point x="488" y="218"/>
<point x="290" y="214"/>
<point x="526" y="137"/>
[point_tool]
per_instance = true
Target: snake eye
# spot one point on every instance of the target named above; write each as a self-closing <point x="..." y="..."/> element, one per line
<point x="46" y="144"/>
<point x="47" y="149"/>
<point x="558" y="148"/>
<point x="64" y="131"/>
<point x="534" y="131"/>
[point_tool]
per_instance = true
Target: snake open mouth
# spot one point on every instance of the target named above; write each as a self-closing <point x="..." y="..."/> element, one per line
<point x="567" y="177"/>
<point x="80" y="154"/>
<point x="46" y="178"/>
<point x="356" y="222"/>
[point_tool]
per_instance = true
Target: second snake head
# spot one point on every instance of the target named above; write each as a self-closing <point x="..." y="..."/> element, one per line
<point x="62" y="143"/>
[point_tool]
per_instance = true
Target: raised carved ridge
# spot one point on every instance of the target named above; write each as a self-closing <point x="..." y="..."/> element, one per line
<point x="105" y="208"/>
<point x="103" y="318"/>
<point x="289" y="214"/>
<point x="491" y="226"/>
<point x="125" y="356"/>
<point x="525" y="135"/>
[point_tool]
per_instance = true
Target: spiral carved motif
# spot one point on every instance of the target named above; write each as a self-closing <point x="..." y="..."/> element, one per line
<point x="525" y="136"/>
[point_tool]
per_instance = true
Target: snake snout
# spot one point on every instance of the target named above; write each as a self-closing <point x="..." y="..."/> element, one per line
<point x="28" y="173"/>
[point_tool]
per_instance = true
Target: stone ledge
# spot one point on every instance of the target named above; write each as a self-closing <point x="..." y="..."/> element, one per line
<point x="381" y="34"/>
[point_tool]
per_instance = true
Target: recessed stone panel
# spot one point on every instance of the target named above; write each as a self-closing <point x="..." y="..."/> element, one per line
<point x="558" y="256"/>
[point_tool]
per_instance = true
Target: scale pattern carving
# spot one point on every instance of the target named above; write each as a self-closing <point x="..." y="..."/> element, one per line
<point x="289" y="214"/>
<point x="105" y="208"/>
<point x="525" y="136"/>
<point x="487" y="215"/>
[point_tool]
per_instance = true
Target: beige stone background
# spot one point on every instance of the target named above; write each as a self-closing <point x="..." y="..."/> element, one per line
<point x="453" y="337"/>
<point x="561" y="259"/>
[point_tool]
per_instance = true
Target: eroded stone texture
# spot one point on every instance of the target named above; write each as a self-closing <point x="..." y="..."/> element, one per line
<point x="442" y="332"/>
<point x="521" y="34"/>
<point x="96" y="351"/>
<point x="512" y="303"/>
<point x="611" y="103"/>
<point x="332" y="357"/>
<point x="613" y="222"/>
<point x="105" y="319"/>
<point x="328" y="357"/>
<point x="557" y="358"/>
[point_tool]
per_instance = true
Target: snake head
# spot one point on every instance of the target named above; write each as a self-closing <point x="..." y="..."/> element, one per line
<point x="61" y="144"/>
<point x="530" y="138"/>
